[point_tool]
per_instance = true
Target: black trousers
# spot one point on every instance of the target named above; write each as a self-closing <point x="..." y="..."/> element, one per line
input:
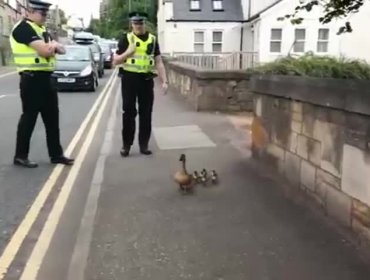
<point x="38" y="95"/>
<point x="137" y="89"/>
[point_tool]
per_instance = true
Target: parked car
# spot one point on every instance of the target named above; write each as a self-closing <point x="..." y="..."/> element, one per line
<point x="82" y="35"/>
<point x="98" y="57"/>
<point x="76" y="69"/>
<point x="112" y="44"/>
<point x="108" y="55"/>
<point x="86" y="38"/>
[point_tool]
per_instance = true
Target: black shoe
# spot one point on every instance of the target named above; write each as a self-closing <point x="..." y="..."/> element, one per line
<point x="62" y="160"/>
<point x="145" y="151"/>
<point x="25" y="163"/>
<point x="125" y="152"/>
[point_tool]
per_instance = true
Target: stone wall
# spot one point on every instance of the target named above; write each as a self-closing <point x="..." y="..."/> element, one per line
<point x="316" y="133"/>
<point x="210" y="90"/>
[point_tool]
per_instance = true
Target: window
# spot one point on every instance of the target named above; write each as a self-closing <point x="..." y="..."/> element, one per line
<point x="194" y="5"/>
<point x="198" y="41"/>
<point x="1" y="26"/>
<point x="10" y="24"/>
<point x="275" y="40"/>
<point x="217" y="5"/>
<point x="300" y="38"/>
<point x="217" y="41"/>
<point x="323" y="40"/>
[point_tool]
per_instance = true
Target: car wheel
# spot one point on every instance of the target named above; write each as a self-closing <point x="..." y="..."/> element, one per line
<point x="94" y="84"/>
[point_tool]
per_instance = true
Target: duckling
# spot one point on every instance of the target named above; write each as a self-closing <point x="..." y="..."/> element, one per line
<point x="214" y="177"/>
<point x="204" y="176"/>
<point x="182" y="177"/>
<point x="204" y="172"/>
<point x="196" y="176"/>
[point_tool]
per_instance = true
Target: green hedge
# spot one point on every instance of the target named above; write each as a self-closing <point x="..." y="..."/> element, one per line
<point x="317" y="66"/>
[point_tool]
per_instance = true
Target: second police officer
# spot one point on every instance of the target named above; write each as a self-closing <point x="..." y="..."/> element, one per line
<point x="139" y="56"/>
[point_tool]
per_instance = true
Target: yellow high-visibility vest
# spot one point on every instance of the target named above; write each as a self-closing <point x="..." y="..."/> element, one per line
<point x="27" y="58"/>
<point x="141" y="61"/>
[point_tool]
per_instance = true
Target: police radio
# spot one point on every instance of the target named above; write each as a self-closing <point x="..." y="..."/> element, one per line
<point x="46" y="37"/>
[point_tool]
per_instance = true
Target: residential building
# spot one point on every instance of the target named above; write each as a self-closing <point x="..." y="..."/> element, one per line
<point x="21" y="7"/>
<point x="11" y="11"/>
<point x="199" y="25"/>
<point x="271" y="38"/>
<point x="194" y="26"/>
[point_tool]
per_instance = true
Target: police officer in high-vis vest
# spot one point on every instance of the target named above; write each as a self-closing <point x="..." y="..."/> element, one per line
<point x="34" y="56"/>
<point x="138" y="57"/>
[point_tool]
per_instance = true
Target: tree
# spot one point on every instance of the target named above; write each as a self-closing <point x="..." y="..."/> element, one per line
<point x="333" y="9"/>
<point x="94" y="26"/>
<point x="116" y="20"/>
<point x="62" y="16"/>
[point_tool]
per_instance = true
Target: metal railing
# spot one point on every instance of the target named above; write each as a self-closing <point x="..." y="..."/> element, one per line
<point x="219" y="61"/>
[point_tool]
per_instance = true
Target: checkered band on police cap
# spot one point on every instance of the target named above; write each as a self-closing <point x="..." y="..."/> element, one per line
<point x="138" y="16"/>
<point x="39" y="5"/>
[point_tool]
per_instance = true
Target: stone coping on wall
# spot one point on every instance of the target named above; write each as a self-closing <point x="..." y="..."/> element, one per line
<point x="342" y="94"/>
<point x="207" y="74"/>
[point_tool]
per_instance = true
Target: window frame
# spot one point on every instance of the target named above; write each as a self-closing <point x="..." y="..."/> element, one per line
<point x="217" y="42"/>
<point x="221" y="8"/>
<point x="326" y="41"/>
<point x="194" y="1"/>
<point x="275" y="41"/>
<point x="199" y="42"/>
<point x="300" y="40"/>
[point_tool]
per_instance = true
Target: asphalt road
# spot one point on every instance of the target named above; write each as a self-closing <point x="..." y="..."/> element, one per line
<point x="19" y="187"/>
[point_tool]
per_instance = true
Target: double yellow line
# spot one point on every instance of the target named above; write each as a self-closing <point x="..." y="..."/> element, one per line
<point x="39" y="251"/>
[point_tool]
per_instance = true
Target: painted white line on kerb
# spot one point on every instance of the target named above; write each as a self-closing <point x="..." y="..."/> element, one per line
<point x="23" y="229"/>
<point x="7" y="74"/>
<point x="39" y="251"/>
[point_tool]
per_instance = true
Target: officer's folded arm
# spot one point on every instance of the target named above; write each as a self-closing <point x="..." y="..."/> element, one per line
<point x="59" y="47"/>
<point x="43" y="49"/>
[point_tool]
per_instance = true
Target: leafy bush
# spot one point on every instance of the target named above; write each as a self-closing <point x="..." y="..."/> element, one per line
<point x="317" y="66"/>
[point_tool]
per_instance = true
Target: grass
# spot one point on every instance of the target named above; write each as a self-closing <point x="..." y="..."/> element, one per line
<point x="317" y="66"/>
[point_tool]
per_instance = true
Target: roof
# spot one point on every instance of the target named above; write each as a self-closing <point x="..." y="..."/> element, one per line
<point x="232" y="11"/>
<point x="257" y="15"/>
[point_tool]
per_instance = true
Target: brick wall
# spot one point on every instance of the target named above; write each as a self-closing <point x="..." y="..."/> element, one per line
<point x="317" y="136"/>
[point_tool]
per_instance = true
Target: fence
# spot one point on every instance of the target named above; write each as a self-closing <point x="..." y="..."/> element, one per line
<point x="219" y="61"/>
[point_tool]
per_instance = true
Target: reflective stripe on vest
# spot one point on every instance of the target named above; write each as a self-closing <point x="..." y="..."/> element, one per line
<point x="140" y="62"/>
<point x="27" y="58"/>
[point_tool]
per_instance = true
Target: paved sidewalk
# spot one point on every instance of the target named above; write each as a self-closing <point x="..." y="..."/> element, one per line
<point x="241" y="229"/>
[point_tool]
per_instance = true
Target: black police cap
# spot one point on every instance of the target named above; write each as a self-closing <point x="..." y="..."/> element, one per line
<point x="137" y="16"/>
<point x="39" y="5"/>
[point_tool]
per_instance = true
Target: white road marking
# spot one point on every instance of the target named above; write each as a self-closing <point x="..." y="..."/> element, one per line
<point x="2" y="96"/>
<point x="39" y="251"/>
<point x="82" y="247"/>
<point x="8" y="74"/>
<point x="23" y="229"/>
